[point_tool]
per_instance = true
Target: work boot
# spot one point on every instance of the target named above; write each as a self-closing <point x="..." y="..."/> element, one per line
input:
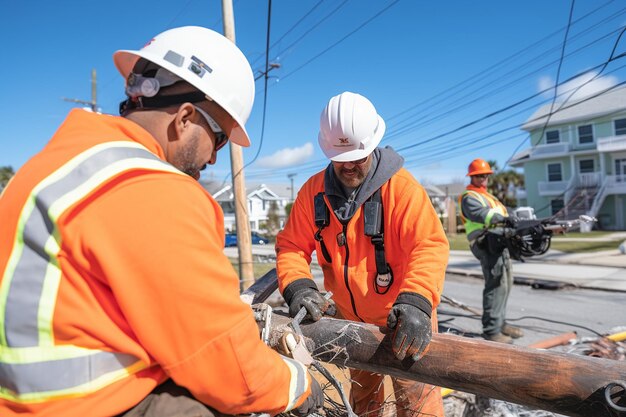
<point x="498" y="337"/>
<point x="514" y="332"/>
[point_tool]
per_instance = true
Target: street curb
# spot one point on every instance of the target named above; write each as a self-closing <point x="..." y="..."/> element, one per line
<point x="537" y="283"/>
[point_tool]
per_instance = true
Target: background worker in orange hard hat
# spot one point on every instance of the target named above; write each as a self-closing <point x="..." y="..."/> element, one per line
<point x="479" y="211"/>
<point x="392" y="279"/>
<point x="117" y="296"/>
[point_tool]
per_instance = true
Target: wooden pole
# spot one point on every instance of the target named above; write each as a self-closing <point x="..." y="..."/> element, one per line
<point x="568" y="384"/>
<point x="244" y="244"/>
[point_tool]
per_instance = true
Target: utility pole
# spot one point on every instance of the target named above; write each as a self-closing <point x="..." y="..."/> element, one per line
<point x="273" y="65"/>
<point x="290" y="176"/>
<point x="93" y="104"/>
<point x="244" y="244"/>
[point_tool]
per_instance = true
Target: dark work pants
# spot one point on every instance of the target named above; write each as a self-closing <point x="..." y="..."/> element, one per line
<point x="498" y="282"/>
<point x="170" y="400"/>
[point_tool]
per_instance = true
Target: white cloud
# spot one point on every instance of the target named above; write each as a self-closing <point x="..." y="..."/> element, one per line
<point x="578" y="88"/>
<point x="286" y="157"/>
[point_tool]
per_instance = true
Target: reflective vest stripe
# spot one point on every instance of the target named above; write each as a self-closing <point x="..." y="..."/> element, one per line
<point x="486" y="201"/>
<point x="299" y="382"/>
<point x="72" y="376"/>
<point x="32" y="277"/>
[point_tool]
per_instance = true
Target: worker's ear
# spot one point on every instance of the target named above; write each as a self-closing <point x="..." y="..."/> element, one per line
<point x="182" y="123"/>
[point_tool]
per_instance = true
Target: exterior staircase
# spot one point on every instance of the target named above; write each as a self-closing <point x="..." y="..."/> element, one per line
<point x="581" y="202"/>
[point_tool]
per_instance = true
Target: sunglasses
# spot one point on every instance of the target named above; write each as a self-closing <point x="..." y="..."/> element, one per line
<point x="220" y="136"/>
<point x="480" y="176"/>
<point x="357" y="162"/>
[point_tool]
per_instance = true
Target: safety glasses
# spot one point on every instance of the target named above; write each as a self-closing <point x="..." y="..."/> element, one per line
<point x="220" y="136"/>
<point x="357" y="162"/>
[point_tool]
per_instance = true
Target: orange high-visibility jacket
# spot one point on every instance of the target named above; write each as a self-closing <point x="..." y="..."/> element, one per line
<point x="416" y="248"/>
<point x="114" y="279"/>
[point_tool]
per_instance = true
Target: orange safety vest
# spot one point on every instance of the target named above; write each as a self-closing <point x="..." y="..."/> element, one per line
<point x="114" y="279"/>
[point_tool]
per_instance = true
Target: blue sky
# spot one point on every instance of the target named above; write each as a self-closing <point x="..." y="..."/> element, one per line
<point x="432" y="69"/>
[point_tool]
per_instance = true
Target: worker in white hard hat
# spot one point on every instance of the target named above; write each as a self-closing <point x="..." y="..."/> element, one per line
<point x="117" y="297"/>
<point x="380" y="244"/>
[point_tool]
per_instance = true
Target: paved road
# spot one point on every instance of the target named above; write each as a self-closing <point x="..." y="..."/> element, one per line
<point x="541" y="313"/>
<point x="604" y="270"/>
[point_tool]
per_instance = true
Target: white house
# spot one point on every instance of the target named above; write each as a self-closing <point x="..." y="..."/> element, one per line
<point x="259" y="198"/>
<point x="577" y="161"/>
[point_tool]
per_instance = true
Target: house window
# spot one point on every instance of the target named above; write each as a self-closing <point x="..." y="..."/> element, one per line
<point x="556" y="205"/>
<point x="552" y="136"/>
<point x="585" y="134"/>
<point x="554" y="172"/>
<point x="586" y="166"/>
<point x="620" y="126"/>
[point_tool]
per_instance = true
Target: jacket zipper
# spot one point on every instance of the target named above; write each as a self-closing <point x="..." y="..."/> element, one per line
<point x="345" y="273"/>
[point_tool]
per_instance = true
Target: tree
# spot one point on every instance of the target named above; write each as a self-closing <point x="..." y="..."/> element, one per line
<point x="6" y="173"/>
<point x="288" y="208"/>
<point x="502" y="184"/>
<point x="272" y="225"/>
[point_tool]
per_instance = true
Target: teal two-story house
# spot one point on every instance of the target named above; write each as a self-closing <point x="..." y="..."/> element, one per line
<point x="577" y="161"/>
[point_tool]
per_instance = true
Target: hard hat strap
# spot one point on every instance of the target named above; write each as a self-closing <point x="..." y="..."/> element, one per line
<point x="160" y="102"/>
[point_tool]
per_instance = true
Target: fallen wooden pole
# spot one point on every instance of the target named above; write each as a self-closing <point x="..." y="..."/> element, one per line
<point x="564" y="383"/>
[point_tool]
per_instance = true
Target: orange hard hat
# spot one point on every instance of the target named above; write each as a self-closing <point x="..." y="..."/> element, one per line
<point x="477" y="167"/>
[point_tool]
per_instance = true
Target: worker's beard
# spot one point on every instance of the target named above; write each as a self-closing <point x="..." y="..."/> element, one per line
<point x="354" y="176"/>
<point x="186" y="158"/>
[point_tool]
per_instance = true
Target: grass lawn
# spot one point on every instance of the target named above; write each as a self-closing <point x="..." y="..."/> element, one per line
<point x="585" y="244"/>
<point x="259" y="268"/>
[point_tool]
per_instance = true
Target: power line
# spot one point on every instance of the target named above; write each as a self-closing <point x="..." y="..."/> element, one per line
<point x="267" y="69"/>
<point x="362" y="25"/>
<point x="483" y="73"/>
<point x="293" y="27"/>
<point x="478" y="88"/>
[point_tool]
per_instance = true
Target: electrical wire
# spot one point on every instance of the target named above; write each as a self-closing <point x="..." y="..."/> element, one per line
<point x="294" y="26"/>
<point x="361" y="26"/>
<point x="267" y="47"/>
<point x="558" y="71"/>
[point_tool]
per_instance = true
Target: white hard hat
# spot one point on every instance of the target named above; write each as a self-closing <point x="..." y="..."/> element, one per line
<point x="208" y="61"/>
<point x="350" y="128"/>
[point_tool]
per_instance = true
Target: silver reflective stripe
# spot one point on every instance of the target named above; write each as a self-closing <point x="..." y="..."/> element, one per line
<point x="22" y="306"/>
<point x="32" y="367"/>
<point x="28" y="378"/>
<point x="298" y="383"/>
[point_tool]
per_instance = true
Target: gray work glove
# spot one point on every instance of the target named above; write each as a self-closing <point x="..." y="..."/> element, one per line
<point x="413" y="330"/>
<point x="303" y="293"/>
<point x="316" y="305"/>
<point x="313" y="403"/>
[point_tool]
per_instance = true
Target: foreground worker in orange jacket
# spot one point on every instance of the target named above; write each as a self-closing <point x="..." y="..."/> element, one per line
<point x="115" y="295"/>
<point x="379" y="242"/>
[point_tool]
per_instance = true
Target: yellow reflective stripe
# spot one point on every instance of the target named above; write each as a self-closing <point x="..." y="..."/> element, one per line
<point x="298" y="383"/>
<point x="18" y="243"/>
<point x="35" y="354"/>
<point x="47" y="303"/>
<point x="36" y="357"/>
<point x="53" y="274"/>
<point x="478" y="196"/>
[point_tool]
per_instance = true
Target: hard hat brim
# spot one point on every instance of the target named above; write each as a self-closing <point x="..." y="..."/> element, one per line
<point x="479" y="172"/>
<point x="125" y="61"/>
<point x="338" y="155"/>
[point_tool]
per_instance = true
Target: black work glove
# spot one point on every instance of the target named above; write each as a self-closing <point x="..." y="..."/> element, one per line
<point x="303" y="293"/>
<point x="313" y="403"/>
<point x="413" y="330"/>
<point x="511" y="222"/>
